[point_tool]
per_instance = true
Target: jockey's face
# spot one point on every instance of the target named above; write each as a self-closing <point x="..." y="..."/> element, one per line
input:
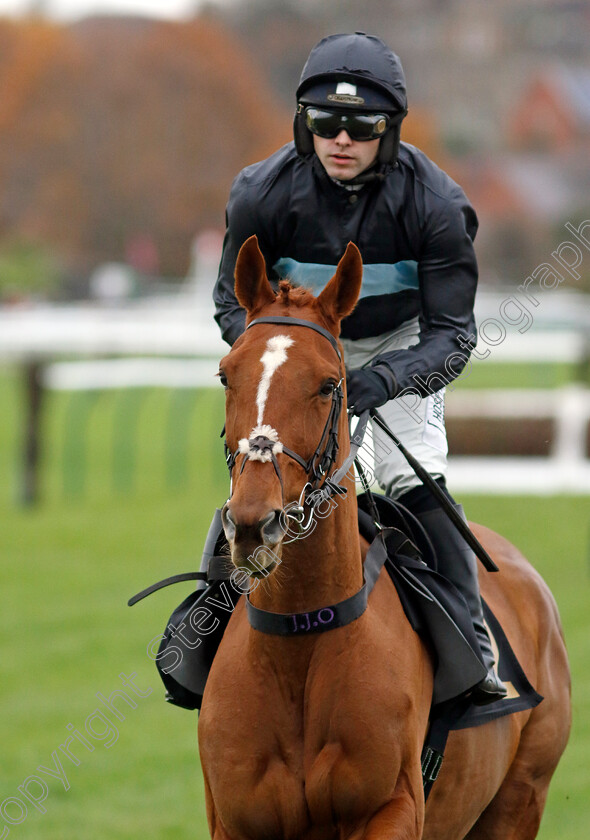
<point x="344" y="158"/>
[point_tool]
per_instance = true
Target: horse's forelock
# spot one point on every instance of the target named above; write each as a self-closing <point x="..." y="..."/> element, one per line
<point x="294" y="295"/>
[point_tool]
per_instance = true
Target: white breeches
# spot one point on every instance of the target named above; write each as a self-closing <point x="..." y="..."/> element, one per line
<point x="418" y="422"/>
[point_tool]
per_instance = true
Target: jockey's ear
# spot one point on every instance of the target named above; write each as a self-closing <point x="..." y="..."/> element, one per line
<point x="339" y="297"/>
<point x="252" y="287"/>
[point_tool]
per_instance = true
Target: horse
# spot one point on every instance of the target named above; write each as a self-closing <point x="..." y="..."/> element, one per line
<point x="313" y="736"/>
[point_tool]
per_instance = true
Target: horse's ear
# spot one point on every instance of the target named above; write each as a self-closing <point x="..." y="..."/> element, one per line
<point x="252" y="287"/>
<point x="339" y="297"/>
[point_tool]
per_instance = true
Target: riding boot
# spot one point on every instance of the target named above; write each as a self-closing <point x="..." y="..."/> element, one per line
<point x="211" y="549"/>
<point x="458" y="563"/>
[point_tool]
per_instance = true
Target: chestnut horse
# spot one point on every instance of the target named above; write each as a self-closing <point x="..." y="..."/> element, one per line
<point x="319" y="735"/>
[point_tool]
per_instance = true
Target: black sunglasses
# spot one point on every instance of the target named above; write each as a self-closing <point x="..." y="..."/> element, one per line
<point x="329" y="124"/>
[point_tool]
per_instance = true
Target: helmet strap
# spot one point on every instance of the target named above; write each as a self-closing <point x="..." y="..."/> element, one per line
<point x="376" y="172"/>
<point x="389" y="147"/>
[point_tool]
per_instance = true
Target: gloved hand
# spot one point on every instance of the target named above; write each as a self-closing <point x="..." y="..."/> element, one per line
<point x="368" y="388"/>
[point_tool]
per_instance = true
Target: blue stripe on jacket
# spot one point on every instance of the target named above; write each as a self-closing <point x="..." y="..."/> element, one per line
<point x="378" y="278"/>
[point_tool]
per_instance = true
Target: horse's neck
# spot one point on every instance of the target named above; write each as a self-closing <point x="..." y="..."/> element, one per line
<point x="319" y="569"/>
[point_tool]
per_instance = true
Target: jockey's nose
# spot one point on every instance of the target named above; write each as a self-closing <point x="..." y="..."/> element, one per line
<point x="343" y="138"/>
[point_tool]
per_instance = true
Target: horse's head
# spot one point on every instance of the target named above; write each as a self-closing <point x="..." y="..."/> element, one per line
<point x="283" y="384"/>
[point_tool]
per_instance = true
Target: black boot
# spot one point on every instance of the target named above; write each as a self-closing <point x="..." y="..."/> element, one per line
<point x="211" y="550"/>
<point x="458" y="563"/>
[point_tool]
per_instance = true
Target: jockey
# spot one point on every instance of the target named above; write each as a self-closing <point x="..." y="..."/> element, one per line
<point x="348" y="177"/>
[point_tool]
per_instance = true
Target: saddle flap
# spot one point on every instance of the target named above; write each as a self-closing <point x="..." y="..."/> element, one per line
<point x="438" y="612"/>
<point x="190" y="641"/>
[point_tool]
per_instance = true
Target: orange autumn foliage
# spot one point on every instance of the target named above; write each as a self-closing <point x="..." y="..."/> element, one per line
<point x="114" y="128"/>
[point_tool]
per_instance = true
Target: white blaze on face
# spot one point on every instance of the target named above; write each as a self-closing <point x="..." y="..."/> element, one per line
<point x="273" y="357"/>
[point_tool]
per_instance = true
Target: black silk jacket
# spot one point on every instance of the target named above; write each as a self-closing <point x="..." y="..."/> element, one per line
<point x="414" y="229"/>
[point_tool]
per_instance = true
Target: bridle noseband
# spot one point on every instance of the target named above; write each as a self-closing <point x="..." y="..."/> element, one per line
<point x="322" y="484"/>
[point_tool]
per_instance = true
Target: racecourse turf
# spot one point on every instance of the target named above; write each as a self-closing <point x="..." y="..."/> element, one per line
<point x="129" y="481"/>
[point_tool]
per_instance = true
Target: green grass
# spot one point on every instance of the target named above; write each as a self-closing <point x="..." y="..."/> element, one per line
<point x="484" y="374"/>
<point x="116" y="515"/>
<point x="554" y="533"/>
<point x="124" y="504"/>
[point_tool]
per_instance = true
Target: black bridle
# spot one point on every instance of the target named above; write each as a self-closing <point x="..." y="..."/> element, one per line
<point x="321" y="483"/>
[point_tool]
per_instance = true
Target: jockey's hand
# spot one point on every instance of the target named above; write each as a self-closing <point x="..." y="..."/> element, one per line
<point x="366" y="388"/>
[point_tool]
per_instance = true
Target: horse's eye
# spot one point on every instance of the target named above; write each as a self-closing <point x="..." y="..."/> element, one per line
<point x="328" y="388"/>
<point x="222" y="378"/>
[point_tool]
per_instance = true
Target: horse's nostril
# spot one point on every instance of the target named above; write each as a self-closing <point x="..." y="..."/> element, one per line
<point x="268" y="531"/>
<point x="271" y="528"/>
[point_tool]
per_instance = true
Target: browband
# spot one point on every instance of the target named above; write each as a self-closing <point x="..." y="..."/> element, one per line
<point x="297" y="322"/>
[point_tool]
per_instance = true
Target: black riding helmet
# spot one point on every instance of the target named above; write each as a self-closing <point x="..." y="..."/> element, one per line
<point x="353" y="72"/>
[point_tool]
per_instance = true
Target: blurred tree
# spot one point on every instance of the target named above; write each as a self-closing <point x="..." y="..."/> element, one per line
<point x="419" y="130"/>
<point x="117" y="129"/>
